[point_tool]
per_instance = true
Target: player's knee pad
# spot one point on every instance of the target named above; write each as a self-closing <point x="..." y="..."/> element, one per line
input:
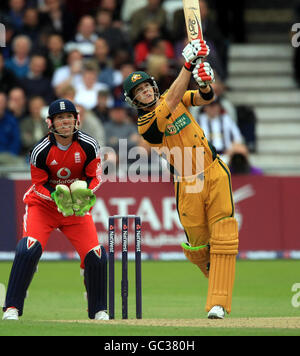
<point x="223" y="250"/>
<point x="199" y="256"/>
<point x="28" y="253"/>
<point x="224" y="237"/>
<point x="95" y="279"/>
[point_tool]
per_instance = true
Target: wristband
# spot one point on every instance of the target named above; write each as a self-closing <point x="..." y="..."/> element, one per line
<point x="189" y="66"/>
<point x="207" y="96"/>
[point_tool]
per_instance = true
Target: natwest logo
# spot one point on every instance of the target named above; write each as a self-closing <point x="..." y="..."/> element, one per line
<point x="64" y="173"/>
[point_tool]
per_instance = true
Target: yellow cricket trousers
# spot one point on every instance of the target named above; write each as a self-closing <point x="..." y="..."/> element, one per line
<point x="204" y="200"/>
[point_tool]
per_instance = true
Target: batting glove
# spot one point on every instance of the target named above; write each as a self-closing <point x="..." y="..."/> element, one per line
<point x="83" y="198"/>
<point x="203" y="74"/>
<point x="63" y="200"/>
<point x="193" y="51"/>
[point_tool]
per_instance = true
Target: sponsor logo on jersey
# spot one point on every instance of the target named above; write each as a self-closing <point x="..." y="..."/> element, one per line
<point x="180" y="123"/>
<point x="64" y="173"/>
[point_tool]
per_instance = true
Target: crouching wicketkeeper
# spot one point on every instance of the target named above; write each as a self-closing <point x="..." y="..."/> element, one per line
<point x="65" y="173"/>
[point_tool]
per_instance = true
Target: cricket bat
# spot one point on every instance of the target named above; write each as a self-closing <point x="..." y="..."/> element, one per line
<point x="192" y="19"/>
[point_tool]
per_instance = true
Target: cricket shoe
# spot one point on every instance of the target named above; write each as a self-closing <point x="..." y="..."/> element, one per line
<point x="11" y="314"/>
<point x="101" y="315"/>
<point x="216" y="312"/>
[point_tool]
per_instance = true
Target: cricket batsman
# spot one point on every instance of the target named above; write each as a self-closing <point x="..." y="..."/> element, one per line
<point x="204" y="194"/>
<point x="65" y="173"/>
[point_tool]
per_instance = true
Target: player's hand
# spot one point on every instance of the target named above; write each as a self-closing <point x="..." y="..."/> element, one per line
<point x="83" y="198"/>
<point x="203" y="74"/>
<point x="63" y="199"/>
<point x="193" y="51"/>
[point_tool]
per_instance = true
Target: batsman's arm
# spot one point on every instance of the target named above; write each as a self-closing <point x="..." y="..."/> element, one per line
<point x="177" y="89"/>
<point x="204" y="95"/>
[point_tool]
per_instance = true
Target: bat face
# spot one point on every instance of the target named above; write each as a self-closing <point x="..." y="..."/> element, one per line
<point x="194" y="26"/>
<point x="192" y="19"/>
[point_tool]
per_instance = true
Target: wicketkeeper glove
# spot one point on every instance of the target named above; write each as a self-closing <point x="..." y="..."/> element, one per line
<point x="193" y="51"/>
<point x="83" y="198"/>
<point x="203" y="74"/>
<point x="63" y="199"/>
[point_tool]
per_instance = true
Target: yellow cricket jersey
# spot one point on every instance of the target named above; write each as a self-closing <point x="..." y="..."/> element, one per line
<point x="177" y="136"/>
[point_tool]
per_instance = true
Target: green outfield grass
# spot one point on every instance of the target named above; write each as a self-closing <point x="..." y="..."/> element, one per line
<point x="171" y="290"/>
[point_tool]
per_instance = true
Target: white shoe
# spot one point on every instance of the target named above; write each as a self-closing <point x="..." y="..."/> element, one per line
<point x="101" y="315"/>
<point x="216" y="312"/>
<point x="11" y="314"/>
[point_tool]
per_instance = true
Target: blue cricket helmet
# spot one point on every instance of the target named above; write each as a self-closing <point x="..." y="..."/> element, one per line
<point x="61" y="106"/>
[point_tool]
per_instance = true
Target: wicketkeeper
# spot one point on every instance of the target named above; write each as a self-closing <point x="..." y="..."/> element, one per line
<point x="204" y="196"/>
<point x="65" y="173"/>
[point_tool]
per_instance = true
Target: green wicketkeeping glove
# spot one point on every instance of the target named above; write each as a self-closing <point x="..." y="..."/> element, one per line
<point x="63" y="199"/>
<point x="83" y="198"/>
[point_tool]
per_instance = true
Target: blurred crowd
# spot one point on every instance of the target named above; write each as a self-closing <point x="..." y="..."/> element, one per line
<point x="83" y="50"/>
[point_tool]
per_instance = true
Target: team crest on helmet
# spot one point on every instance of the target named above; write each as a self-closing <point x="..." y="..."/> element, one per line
<point x="135" y="77"/>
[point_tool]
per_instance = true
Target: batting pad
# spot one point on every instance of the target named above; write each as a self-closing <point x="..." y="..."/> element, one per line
<point x="198" y="256"/>
<point x="223" y="250"/>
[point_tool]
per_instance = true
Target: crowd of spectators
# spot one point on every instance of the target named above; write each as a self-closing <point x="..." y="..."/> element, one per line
<point x="83" y="51"/>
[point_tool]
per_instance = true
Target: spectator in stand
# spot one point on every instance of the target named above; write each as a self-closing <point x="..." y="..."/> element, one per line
<point x="10" y="142"/>
<point x="7" y="78"/>
<point x="151" y="36"/>
<point x="68" y="93"/>
<point x="153" y="12"/>
<point x="85" y="37"/>
<point x="114" y="7"/>
<point x="16" y="12"/>
<point x="120" y="57"/>
<point x="34" y="126"/>
<point x="36" y="83"/>
<point x="220" y="90"/>
<point x="218" y="56"/>
<point x="104" y="102"/>
<point x="56" y="18"/>
<point x="56" y="56"/>
<point x="125" y="69"/>
<point x="31" y="26"/>
<point x="19" y="63"/>
<point x="114" y="34"/>
<point x="238" y="161"/>
<point x="87" y="91"/>
<point x="8" y="36"/>
<point x="17" y="103"/>
<point x="218" y="126"/>
<point x="70" y="74"/>
<point x="107" y="74"/>
<point x="129" y="7"/>
<point x="90" y="124"/>
<point x="120" y="126"/>
<point x="158" y="67"/>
